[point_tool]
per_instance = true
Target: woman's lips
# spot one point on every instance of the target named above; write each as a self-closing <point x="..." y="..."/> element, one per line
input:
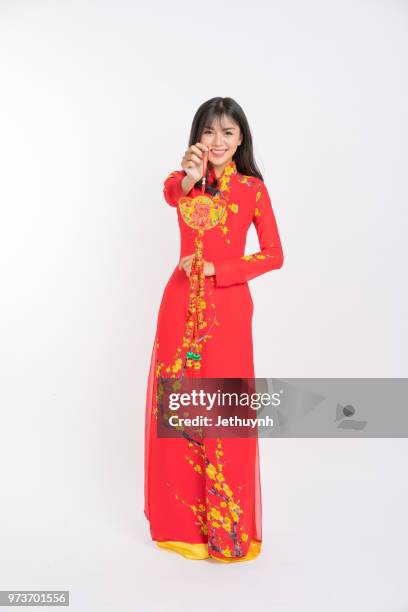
<point x="218" y="153"/>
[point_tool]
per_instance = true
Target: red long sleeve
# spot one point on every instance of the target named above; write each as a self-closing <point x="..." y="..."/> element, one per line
<point x="172" y="190"/>
<point x="270" y="257"/>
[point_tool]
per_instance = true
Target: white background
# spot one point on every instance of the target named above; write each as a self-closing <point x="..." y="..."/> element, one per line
<point x="96" y="105"/>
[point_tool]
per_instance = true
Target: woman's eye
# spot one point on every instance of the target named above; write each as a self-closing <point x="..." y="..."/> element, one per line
<point x="209" y="132"/>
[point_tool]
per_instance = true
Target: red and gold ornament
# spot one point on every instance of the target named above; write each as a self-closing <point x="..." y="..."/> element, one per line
<point x="201" y="213"/>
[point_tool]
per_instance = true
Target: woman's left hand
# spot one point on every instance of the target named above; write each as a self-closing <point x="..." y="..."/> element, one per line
<point x="186" y="262"/>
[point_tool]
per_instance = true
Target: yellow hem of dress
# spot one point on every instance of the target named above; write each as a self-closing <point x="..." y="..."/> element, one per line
<point x="200" y="551"/>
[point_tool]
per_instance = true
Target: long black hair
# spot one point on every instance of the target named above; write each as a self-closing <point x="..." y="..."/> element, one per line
<point x="244" y="155"/>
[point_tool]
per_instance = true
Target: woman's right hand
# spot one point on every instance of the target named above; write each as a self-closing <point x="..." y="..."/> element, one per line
<point x="192" y="162"/>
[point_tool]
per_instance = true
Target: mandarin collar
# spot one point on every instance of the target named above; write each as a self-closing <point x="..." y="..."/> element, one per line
<point x="229" y="169"/>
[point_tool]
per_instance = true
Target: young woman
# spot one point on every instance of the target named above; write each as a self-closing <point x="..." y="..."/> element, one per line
<point x="203" y="496"/>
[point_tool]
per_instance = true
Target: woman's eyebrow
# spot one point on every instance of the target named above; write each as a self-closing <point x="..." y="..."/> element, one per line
<point x="208" y="127"/>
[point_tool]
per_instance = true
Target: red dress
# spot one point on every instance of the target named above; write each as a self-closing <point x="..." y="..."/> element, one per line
<point x="204" y="499"/>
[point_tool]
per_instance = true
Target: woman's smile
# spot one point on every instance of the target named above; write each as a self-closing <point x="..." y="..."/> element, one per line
<point x="218" y="152"/>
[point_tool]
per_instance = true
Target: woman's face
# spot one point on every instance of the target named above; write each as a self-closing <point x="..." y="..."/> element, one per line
<point x="222" y="138"/>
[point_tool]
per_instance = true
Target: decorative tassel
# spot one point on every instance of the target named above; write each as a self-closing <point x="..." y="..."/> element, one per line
<point x="200" y="213"/>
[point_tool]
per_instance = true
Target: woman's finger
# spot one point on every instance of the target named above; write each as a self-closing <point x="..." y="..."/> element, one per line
<point x="198" y="149"/>
<point x="193" y="150"/>
<point x="201" y="146"/>
<point x="194" y="158"/>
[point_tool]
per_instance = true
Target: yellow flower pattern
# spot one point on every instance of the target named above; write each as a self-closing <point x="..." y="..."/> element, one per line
<point x="224" y="187"/>
<point x="220" y="511"/>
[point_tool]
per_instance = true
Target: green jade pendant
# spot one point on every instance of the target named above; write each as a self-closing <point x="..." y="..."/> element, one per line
<point x="192" y="355"/>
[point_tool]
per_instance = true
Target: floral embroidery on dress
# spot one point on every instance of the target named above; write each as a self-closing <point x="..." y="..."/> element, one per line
<point x="225" y="178"/>
<point x="229" y="170"/>
<point x="219" y="517"/>
<point x="246" y="180"/>
<point x="258" y="256"/>
<point x="224" y="188"/>
<point x="257" y="212"/>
